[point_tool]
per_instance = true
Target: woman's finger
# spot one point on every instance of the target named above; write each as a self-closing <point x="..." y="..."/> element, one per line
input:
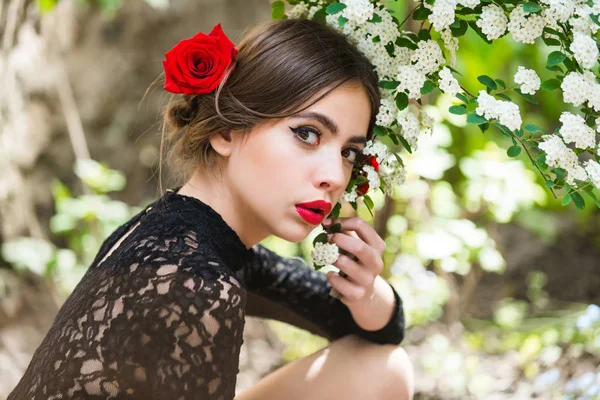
<point x="363" y="230"/>
<point x="367" y="256"/>
<point x="349" y="290"/>
<point x="355" y="272"/>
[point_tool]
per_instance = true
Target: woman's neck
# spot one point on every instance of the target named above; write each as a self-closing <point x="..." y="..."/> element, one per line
<point x="214" y="192"/>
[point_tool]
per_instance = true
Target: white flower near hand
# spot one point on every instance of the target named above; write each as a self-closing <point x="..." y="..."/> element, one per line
<point x="492" y="21"/>
<point x="530" y="82"/>
<point x="325" y="253"/>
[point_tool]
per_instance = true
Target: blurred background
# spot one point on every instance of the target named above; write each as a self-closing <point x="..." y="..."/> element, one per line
<point x="500" y="282"/>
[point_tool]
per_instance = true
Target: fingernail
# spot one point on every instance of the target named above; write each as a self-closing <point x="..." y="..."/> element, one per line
<point x="327" y="221"/>
<point x="329" y="237"/>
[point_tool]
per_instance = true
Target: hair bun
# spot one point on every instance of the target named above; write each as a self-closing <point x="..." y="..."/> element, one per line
<point x="182" y="112"/>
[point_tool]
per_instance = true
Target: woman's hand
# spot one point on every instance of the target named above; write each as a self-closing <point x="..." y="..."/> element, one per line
<point x="356" y="238"/>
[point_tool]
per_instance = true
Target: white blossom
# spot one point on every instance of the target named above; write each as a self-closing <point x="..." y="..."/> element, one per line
<point x="559" y="10"/>
<point x="492" y="21"/>
<point x="359" y="11"/>
<point x="469" y="3"/>
<point x="372" y="177"/>
<point x="392" y="173"/>
<point x="525" y="28"/>
<point x="325" y="253"/>
<point x="410" y="79"/>
<point x="448" y="83"/>
<point x="411" y="128"/>
<point x="574" y="130"/>
<point x="298" y="11"/>
<point x="426" y="123"/>
<point x="377" y="149"/>
<point x="559" y="155"/>
<point x="593" y="170"/>
<point x="528" y="79"/>
<point x="442" y="13"/>
<point x="387" y="112"/>
<point x="506" y="112"/>
<point x="585" y="50"/>
<point x="451" y="44"/>
<point x="350" y="196"/>
<point x="574" y="89"/>
<point x="427" y="57"/>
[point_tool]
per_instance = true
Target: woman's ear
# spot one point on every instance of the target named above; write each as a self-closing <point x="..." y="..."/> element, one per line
<point x="222" y="143"/>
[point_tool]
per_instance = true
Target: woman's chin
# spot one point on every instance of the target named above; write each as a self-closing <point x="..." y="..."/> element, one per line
<point x="296" y="234"/>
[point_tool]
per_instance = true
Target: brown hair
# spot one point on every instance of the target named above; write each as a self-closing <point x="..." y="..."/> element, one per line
<point x="280" y="66"/>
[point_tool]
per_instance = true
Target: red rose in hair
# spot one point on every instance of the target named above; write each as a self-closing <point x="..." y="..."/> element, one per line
<point x="196" y="65"/>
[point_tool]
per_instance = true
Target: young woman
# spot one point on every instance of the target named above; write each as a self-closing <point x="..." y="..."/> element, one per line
<point x="266" y="136"/>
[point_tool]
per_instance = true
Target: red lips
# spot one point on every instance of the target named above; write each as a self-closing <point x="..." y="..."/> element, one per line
<point x="314" y="212"/>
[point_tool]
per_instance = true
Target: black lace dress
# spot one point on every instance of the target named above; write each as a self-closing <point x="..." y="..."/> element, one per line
<point x="160" y="312"/>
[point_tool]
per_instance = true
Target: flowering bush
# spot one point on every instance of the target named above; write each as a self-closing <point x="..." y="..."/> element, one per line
<point x="413" y="64"/>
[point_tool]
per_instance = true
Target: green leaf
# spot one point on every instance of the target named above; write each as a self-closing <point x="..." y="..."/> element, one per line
<point x="376" y="18"/>
<point x="424" y="34"/>
<point x="532" y="128"/>
<point x="342" y="20"/>
<point x="551" y="84"/>
<point x="550" y="41"/>
<point x="390" y="85"/>
<point x="335" y="228"/>
<point x="578" y="200"/>
<point x="560" y="174"/>
<point x="487" y="81"/>
<point x="555" y="58"/>
<point x="570" y="64"/>
<point x="484" y="127"/>
<point x="527" y="97"/>
<point x="320" y="238"/>
<point x="566" y="199"/>
<point x="593" y="196"/>
<point x="462" y="97"/>
<point x="513" y="151"/>
<point x="394" y="138"/>
<point x="476" y="119"/>
<point x="398" y="159"/>
<point x="549" y="184"/>
<point x="501" y="83"/>
<point x="369" y="202"/>
<point x="459" y="30"/>
<point x="428" y="86"/>
<point x="531" y="7"/>
<point x="401" y="101"/>
<point x="335" y="8"/>
<point x="335" y="213"/>
<point x="503" y="96"/>
<point x="277" y="10"/>
<point x="380" y="131"/>
<point x="361" y="179"/>
<point x="421" y="14"/>
<point x="405" y="144"/>
<point x="594" y="18"/>
<point x="458" y="110"/>
<point x="404" y="42"/>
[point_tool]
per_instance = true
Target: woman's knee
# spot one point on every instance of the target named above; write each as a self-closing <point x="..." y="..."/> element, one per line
<point x="390" y="365"/>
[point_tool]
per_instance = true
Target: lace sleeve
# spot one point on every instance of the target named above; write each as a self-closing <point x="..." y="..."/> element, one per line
<point x="159" y="330"/>
<point x="291" y="291"/>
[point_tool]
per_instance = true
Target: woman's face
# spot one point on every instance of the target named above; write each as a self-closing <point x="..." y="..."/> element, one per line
<point x="306" y="157"/>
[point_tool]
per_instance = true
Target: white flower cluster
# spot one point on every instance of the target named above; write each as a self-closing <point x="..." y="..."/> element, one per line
<point x="581" y="88"/>
<point x="581" y="21"/>
<point x="427" y="57"/>
<point x="387" y="112"/>
<point x="372" y="177"/>
<point x="350" y="196"/>
<point x="506" y="112"/>
<point x="558" y="10"/>
<point x="574" y="130"/>
<point x="442" y="13"/>
<point x="359" y="11"/>
<point x="411" y="128"/>
<point x="530" y="82"/>
<point x="492" y="21"/>
<point x="390" y="170"/>
<point x="593" y="170"/>
<point x="410" y="79"/>
<point x="298" y="11"/>
<point x="451" y="44"/>
<point x="325" y="253"/>
<point x="585" y="50"/>
<point x="469" y="3"/>
<point x="559" y="155"/>
<point x="448" y="83"/>
<point x="524" y="27"/>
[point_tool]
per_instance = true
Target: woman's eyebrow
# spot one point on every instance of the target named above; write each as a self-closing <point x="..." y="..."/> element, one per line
<point x="329" y="124"/>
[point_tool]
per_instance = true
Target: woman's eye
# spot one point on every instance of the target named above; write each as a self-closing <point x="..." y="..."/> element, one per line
<point x="303" y="133"/>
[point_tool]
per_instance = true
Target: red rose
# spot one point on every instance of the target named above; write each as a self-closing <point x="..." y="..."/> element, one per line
<point x="363" y="188"/>
<point x="196" y="65"/>
<point x="373" y="161"/>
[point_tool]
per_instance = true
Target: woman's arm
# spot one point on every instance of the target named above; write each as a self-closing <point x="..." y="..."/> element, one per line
<point x="289" y="290"/>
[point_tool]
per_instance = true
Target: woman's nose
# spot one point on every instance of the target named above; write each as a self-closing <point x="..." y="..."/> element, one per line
<point x="332" y="173"/>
